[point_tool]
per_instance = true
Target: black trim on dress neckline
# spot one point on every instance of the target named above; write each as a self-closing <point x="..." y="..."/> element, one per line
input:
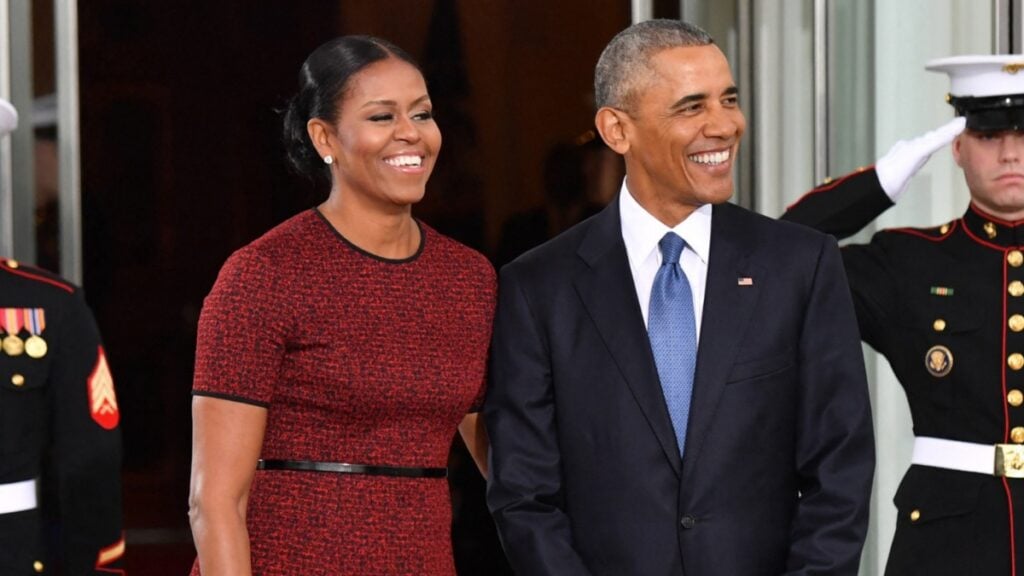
<point x="415" y="255"/>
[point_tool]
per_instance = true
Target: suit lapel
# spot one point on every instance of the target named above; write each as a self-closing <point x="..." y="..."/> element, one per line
<point x="728" y="306"/>
<point x="609" y="296"/>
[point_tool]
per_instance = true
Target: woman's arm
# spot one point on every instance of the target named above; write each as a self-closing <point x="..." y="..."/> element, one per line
<point x="226" y="441"/>
<point x="474" y="435"/>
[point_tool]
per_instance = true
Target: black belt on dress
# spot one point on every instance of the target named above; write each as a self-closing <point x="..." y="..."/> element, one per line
<point x="345" y="468"/>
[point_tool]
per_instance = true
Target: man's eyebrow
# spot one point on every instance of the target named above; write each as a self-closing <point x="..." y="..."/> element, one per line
<point x="730" y="91"/>
<point x="689" y="99"/>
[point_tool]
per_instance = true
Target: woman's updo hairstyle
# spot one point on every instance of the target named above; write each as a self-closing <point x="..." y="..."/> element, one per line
<point x="323" y="80"/>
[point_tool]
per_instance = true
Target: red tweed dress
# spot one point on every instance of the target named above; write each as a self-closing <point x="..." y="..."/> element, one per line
<point x="357" y="359"/>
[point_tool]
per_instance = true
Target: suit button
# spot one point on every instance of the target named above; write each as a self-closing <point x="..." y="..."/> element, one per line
<point x="939" y="325"/>
<point x="915" y="515"/>
<point x="1015" y="258"/>
<point x="1015" y="361"/>
<point x="688" y="522"/>
<point x="1017" y="435"/>
<point x="38" y="567"/>
<point x="18" y="380"/>
<point x="1016" y="288"/>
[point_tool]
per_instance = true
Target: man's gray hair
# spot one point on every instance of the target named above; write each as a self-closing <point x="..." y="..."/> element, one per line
<point x="626" y="59"/>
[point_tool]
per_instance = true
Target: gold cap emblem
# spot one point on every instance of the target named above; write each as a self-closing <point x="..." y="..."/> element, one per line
<point x="1013" y="67"/>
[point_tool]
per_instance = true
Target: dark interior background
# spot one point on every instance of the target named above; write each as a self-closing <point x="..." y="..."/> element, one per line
<point x="182" y="164"/>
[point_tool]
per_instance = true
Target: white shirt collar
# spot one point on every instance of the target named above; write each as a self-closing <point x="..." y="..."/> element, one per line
<point x="641" y="231"/>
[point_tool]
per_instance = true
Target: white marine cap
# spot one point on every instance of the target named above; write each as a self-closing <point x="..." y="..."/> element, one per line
<point x="988" y="89"/>
<point x="982" y="75"/>
<point x="8" y="118"/>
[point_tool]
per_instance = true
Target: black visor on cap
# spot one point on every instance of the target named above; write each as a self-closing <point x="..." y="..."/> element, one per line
<point x="991" y="113"/>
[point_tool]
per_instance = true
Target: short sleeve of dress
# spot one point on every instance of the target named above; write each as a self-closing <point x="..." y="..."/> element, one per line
<point x="242" y="330"/>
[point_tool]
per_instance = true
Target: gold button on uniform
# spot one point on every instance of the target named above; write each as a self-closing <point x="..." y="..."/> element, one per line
<point x="38" y="567"/>
<point x="17" y="379"/>
<point x="1015" y="397"/>
<point x="944" y="229"/>
<point x="1017" y="435"/>
<point x="12" y="262"/>
<point x="939" y="325"/>
<point x="915" y="515"/>
<point x="1015" y="361"/>
<point x="1016" y="322"/>
<point x="1016" y="288"/>
<point x="1015" y="258"/>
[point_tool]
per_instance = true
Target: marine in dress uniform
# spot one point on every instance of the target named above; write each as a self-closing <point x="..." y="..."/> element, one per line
<point x="945" y="306"/>
<point x="60" y="444"/>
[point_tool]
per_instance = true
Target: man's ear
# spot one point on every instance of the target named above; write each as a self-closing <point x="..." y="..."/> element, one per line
<point x="319" y="132"/>
<point x="611" y="125"/>
<point x="955" y="148"/>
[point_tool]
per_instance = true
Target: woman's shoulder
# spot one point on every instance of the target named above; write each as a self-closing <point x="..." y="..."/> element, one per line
<point x="455" y="252"/>
<point x="287" y="242"/>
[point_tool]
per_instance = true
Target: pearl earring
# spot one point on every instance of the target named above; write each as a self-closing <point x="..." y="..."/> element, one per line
<point x="328" y="159"/>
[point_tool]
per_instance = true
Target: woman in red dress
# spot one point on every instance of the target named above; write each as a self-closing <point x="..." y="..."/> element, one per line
<point x="338" y="354"/>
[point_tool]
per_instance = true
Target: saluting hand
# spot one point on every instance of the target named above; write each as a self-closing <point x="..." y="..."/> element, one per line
<point x="906" y="157"/>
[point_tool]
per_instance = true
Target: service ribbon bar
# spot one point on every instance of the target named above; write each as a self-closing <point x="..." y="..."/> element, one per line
<point x="35" y="320"/>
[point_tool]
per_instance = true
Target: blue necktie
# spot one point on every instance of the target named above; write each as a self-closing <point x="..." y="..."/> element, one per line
<point x="673" y="334"/>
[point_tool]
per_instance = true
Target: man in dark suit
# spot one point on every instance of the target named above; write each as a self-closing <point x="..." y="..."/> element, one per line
<point x="677" y="384"/>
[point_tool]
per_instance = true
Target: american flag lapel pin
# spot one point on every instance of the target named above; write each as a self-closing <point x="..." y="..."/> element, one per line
<point x="744" y="281"/>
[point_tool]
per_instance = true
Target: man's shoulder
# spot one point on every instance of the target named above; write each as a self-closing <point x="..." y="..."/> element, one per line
<point x="557" y="254"/>
<point x="760" y="228"/>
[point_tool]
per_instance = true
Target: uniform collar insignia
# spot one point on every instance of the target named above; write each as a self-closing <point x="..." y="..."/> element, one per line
<point x="991" y="230"/>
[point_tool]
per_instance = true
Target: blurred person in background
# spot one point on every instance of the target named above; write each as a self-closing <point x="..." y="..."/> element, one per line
<point x="60" y="440"/>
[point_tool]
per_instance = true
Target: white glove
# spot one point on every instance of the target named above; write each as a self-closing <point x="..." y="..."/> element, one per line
<point x="906" y="157"/>
<point x="8" y="118"/>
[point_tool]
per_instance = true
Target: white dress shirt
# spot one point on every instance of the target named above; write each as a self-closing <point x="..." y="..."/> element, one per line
<point x="641" y="232"/>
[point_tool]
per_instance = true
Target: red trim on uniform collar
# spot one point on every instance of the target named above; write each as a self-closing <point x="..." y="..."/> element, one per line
<point x="974" y="208"/>
<point x="979" y="240"/>
<point x="978" y="225"/>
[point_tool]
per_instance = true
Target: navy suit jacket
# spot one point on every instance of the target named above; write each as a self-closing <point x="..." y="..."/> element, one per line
<point x="585" y="472"/>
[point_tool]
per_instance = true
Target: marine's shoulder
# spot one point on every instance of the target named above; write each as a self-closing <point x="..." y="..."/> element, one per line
<point x="18" y="277"/>
<point x="912" y="234"/>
